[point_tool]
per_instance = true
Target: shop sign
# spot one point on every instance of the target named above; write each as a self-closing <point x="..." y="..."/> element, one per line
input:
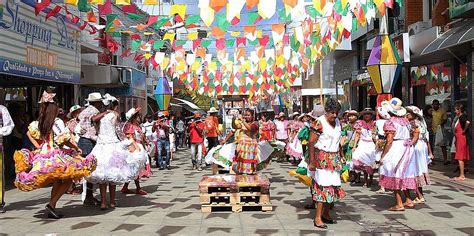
<point x="35" y="48"/>
<point x="458" y="7"/>
<point x="402" y="44"/>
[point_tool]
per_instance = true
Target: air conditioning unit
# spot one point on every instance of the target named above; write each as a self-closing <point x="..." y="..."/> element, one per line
<point x="125" y="76"/>
<point x="418" y="27"/>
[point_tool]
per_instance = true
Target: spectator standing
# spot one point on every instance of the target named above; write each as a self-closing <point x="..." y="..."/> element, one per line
<point x="211" y="128"/>
<point x="162" y="132"/>
<point x="439" y="119"/>
<point x="196" y="139"/>
<point x="181" y="130"/>
<point x="461" y="126"/>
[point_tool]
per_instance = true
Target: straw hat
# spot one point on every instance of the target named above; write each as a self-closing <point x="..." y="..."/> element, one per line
<point x="395" y="106"/>
<point x="295" y="114"/>
<point x="367" y="110"/>
<point x="130" y="113"/>
<point x="352" y="112"/>
<point x="74" y="108"/>
<point x="213" y="110"/>
<point x="382" y="110"/>
<point x="415" y="110"/>
<point x="94" y="97"/>
<point x="281" y="114"/>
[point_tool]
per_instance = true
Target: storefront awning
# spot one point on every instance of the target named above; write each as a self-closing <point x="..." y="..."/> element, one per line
<point x="460" y="34"/>
<point x="186" y="104"/>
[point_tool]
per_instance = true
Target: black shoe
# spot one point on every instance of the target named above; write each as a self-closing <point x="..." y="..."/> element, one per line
<point x="329" y="221"/>
<point x="161" y="168"/>
<point x="323" y="226"/>
<point x="168" y="168"/>
<point x="52" y="213"/>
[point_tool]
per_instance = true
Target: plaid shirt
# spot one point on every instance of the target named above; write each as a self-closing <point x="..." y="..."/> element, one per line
<point x="88" y="128"/>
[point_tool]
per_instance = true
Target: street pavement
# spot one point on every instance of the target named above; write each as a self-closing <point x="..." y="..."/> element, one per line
<point x="172" y="207"/>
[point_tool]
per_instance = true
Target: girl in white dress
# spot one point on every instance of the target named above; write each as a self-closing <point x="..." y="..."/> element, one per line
<point x="421" y="150"/>
<point x="112" y="167"/>
<point x="381" y="139"/>
<point x="363" y="153"/>
<point x="326" y="162"/>
<point x="396" y="172"/>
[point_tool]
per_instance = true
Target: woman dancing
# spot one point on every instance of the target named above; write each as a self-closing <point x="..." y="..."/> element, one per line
<point x="422" y="154"/>
<point x="363" y="152"/>
<point x="112" y="167"/>
<point x="325" y="162"/>
<point x="395" y="171"/>
<point x="51" y="162"/>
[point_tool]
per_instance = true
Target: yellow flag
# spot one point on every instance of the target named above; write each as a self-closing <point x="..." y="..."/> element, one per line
<point x="212" y="66"/>
<point x="195" y="66"/>
<point x="246" y="65"/>
<point x="122" y="2"/>
<point x="235" y="33"/>
<point x="165" y="63"/>
<point x="280" y="60"/>
<point x="150" y="2"/>
<point x="169" y="36"/>
<point x="71" y="2"/>
<point x="180" y="66"/>
<point x="99" y="2"/>
<point x="179" y="9"/>
<point x="147" y="56"/>
<point x="148" y="33"/>
<point x="262" y="64"/>
<point x="192" y="35"/>
<point x="258" y="33"/>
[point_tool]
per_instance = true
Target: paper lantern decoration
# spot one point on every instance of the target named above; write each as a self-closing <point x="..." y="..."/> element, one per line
<point x="384" y="64"/>
<point x="163" y="93"/>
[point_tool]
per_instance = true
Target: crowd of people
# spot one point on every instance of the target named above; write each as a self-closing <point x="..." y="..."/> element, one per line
<point x="97" y="146"/>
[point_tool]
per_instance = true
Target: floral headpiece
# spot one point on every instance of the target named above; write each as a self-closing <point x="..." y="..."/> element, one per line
<point x="47" y="97"/>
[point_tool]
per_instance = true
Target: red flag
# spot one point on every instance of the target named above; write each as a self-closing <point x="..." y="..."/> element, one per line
<point x="106" y="8"/>
<point x="41" y="6"/>
<point x="83" y="26"/>
<point x="125" y="53"/>
<point x="75" y="20"/>
<point x="132" y="8"/>
<point x="286" y="39"/>
<point x="53" y="12"/>
<point x="153" y="62"/>
<point x="241" y="40"/>
<point x="93" y="30"/>
<point x="264" y="40"/>
<point x="135" y="36"/>
<point x="138" y="57"/>
<point x="220" y="44"/>
<point x="151" y="20"/>
<point x="196" y="43"/>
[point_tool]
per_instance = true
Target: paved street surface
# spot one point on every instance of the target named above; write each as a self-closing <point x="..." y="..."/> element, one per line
<point x="172" y="207"/>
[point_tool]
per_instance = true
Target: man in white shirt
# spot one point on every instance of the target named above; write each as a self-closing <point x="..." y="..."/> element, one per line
<point x="181" y="130"/>
<point x="6" y="128"/>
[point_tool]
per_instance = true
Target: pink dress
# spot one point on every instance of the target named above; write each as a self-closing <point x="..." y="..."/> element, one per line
<point x="294" y="147"/>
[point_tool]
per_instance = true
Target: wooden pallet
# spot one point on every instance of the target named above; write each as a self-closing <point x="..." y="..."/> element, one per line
<point x="219" y="170"/>
<point x="240" y="198"/>
<point x="208" y="208"/>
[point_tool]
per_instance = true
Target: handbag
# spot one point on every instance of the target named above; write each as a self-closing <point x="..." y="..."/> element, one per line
<point x="439" y="138"/>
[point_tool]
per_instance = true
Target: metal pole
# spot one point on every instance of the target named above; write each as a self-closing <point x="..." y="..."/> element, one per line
<point x="321" y="82"/>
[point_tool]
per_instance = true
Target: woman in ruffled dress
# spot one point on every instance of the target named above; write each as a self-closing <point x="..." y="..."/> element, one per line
<point x="396" y="172"/>
<point x="363" y="152"/>
<point x="380" y="139"/>
<point x="294" y="148"/>
<point x="347" y="141"/>
<point x="422" y="154"/>
<point x="51" y="162"/>
<point x="326" y="162"/>
<point x="112" y="166"/>
<point x="135" y="140"/>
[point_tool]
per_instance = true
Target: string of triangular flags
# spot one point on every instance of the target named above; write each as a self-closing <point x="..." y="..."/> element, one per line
<point x="276" y="61"/>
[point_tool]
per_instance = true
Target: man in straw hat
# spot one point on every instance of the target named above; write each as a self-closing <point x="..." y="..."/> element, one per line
<point x="212" y="132"/>
<point x="88" y="134"/>
<point x="196" y="138"/>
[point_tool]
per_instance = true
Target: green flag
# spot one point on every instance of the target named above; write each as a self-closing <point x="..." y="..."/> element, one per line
<point x="229" y="42"/>
<point x="158" y="44"/>
<point x="161" y="21"/>
<point x="83" y="6"/>
<point x="134" y="16"/>
<point x="192" y="19"/>
<point x="252" y="18"/>
<point x="221" y="22"/>
<point x="205" y="43"/>
<point x="110" y="20"/>
<point x="136" y="44"/>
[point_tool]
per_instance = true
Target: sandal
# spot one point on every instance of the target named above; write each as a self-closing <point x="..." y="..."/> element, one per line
<point x="419" y="201"/>
<point x="380" y="191"/>
<point x="323" y="226"/>
<point x="127" y="191"/>
<point x="394" y="208"/>
<point x="113" y="205"/>
<point x="459" y="179"/>
<point x="140" y="192"/>
<point x="406" y="206"/>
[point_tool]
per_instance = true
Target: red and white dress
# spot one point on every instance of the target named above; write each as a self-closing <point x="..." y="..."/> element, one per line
<point x="326" y="178"/>
<point x="363" y="157"/>
<point x="397" y="171"/>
